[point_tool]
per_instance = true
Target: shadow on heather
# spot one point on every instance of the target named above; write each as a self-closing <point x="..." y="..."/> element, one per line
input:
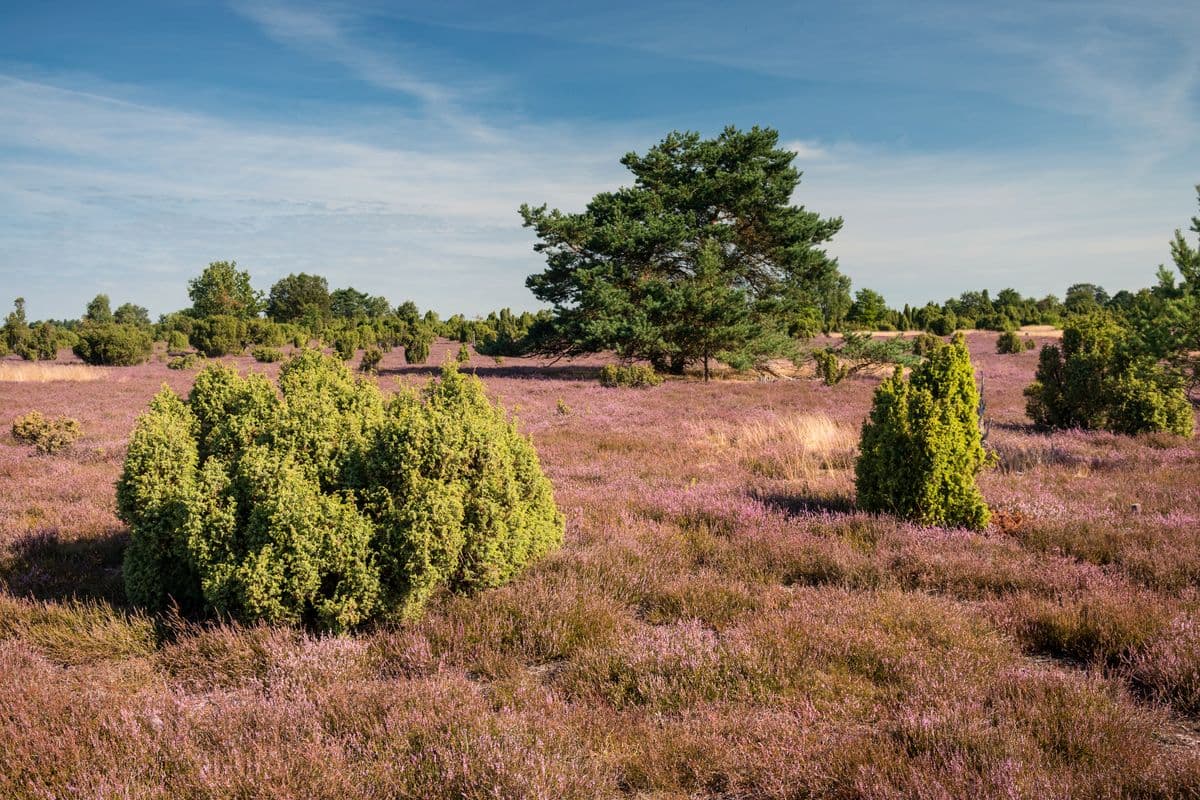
<point x="803" y="505"/>
<point x="44" y="565"/>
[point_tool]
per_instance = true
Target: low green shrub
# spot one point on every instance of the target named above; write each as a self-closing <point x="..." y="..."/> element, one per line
<point x="830" y="369"/>
<point x="220" y="335"/>
<point x="1098" y="380"/>
<point x="345" y="345"/>
<point x="325" y="503"/>
<point x="47" y="435"/>
<point x="464" y="354"/>
<point x="185" y="361"/>
<point x="112" y="344"/>
<point x="416" y="345"/>
<point x="266" y="355"/>
<point x="925" y="343"/>
<point x="41" y="344"/>
<point x="629" y="375"/>
<point x="922" y="446"/>
<point x="1010" y="343"/>
<point x="370" y="360"/>
<point x="177" y="341"/>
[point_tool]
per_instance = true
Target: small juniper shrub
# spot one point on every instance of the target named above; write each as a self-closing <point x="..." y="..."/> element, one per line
<point x="561" y="408"/>
<point x="464" y="354"/>
<point x="115" y="345"/>
<point x="925" y="343"/>
<point x="177" y="341"/>
<point x="370" y="360"/>
<point x="266" y="355"/>
<point x="1098" y="381"/>
<point x="345" y="345"/>
<point x="47" y="435"/>
<point x="830" y="369"/>
<point x="220" y="335"/>
<point x="41" y="344"/>
<point x="1011" y="343"/>
<point x="185" y="361"/>
<point x="629" y="375"/>
<point x="922" y="446"/>
<point x="324" y="503"/>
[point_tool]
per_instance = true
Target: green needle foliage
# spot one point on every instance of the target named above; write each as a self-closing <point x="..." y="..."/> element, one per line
<point x="703" y="258"/>
<point x="1100" y="379"/>
<point x="324" y="503"/>
<point x="922" y="446"/>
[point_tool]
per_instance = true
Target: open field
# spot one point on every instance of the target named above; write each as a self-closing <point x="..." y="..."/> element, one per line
<point x="720" y="623"/>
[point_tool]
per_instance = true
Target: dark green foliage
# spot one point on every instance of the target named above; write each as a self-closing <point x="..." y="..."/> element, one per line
<point x="860" y="352"/>
<point x="99" y="310"/>
<point x="703" y="254"/>
<point x="47" y="435"/>
<point x="1010" y="342"/>
<point x="185" y="361"/>
<point x="830" y="369"/>
<point x="130" y="314"/>
<point x="299" y="298"/>
<point x="16" y="328"/>
<point x="416" y="345"/>
<point x="113" y="344"/>
<point x="350" y="303"/>
<point x="177" y="340"/>
<point x="1100" y="380"/>
<point x="869" y="311"/>
<point x="926" y="343"/>
<point x="323" y="504"/>
<point x="370" y="360"/>
<point x="41" y="344"/>
<point x="922" y="447"/>
<point x="266" y="355"/>
<point x="464" y="354"/>
<point x="346" y="344"/>
<point x="630" y="375"/>
<point x="224" y="290"/>
<point x="220" y="335"/>
<point x="266" y="333"/>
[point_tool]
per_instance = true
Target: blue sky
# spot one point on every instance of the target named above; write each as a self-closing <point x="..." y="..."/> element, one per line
<point x="388" y="145"/>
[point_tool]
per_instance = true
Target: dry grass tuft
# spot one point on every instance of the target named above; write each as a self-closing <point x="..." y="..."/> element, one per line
<point x="38" y="372"/>
<point x="794" y="448"/>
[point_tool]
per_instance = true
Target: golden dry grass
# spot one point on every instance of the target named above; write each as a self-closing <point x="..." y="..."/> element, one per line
<point x="797" y="447"/>
<point x="41" y="372"/>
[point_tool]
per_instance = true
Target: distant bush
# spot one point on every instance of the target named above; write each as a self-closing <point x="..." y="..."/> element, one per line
<point x="1098" y="380"/>
<point x="185" y="361"/>
<point x="345" y="345"/>
<point x="40" y="345"/>
<point x="370" y="360"/>
<point x="829" y="367"/>
<point x="464" y="354"/>
<point x="416" y="346"/>
<point x="324" y="504"/>
<point x="629" y="375"/>
<point x="266" y="355"/>
<point x="1010" y="342"/>
<point x="922" y="447"/>
<point x="47" y="435"/>
<point x="112" y="344"/>
<point x="220" y="335"/>
<point x="266" y="333"/>
<point x="177" y="340"/>
<point x="926" y="343"/>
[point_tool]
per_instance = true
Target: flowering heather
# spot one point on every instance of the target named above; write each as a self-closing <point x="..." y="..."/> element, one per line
<point x="721" y="622"/>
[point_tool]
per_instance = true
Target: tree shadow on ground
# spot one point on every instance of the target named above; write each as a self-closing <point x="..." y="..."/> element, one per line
<point x="802" y="504"/>
<point x="45" y="565"/>
<point x="567" y="372"/>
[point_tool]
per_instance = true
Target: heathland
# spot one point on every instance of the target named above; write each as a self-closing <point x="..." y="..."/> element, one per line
<point x="721" y="620"/>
